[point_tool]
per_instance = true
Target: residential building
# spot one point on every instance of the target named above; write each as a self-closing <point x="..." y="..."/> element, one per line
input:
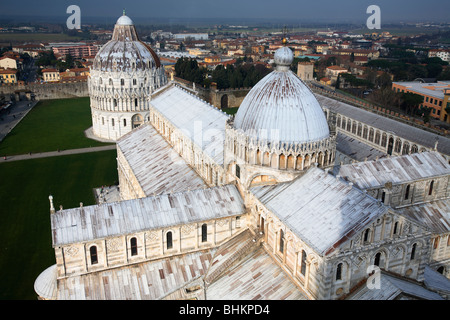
<point x="8" y="76"/>
<point x="439" y="53"/>
<point x="435" y="95"/>
<point x="51" y="75"/>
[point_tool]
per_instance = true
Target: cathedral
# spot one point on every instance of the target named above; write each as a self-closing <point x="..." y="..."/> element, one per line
<point x="284" y="200"/>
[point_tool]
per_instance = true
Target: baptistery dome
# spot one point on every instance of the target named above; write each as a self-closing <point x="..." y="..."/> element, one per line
<point x="123" y="76"/>
<point x="125" y="51"/>
<point x="281" y="107"/>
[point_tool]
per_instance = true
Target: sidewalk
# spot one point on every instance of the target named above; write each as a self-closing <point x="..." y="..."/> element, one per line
<point x="9" y="119"/>
<point x="55" y="153"/>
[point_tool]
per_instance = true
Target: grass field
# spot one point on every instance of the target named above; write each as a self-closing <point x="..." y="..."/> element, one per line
<point x="25" y="234"/>
<point x="49" y="126"/>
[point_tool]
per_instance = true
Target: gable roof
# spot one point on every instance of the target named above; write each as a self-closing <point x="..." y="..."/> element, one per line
<point x="322" y="210"/>
<point x="196" y="119"/>
<point x="435" y="215"/>
<point x="392" y="288"/>
<point x="399" y="169"/>
<point x="157" y="167"/>
<point x="130" y="216"/>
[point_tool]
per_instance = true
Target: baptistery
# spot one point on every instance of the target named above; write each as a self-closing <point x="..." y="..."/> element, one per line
<point x="280" y="129"/>
<point x="123" y="76"/>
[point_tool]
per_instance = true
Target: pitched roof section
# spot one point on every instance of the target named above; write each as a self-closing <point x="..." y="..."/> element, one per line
<point x="156" y="166"/>
<point x="392" y="288"/>
<point x="143" y="281"/>
<point x="321" y="209"/>
<point x="400" y="169"/>
<point x="126" y="217"/>
<point x="406" y="131"/>
<point x="201" y="122"/>
<point x="435" y="215"/>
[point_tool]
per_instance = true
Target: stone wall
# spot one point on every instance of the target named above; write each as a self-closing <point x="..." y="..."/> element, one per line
<point x="122" y="250"/>
<point x="45" y="91"/>
<point x="391" y="237"/>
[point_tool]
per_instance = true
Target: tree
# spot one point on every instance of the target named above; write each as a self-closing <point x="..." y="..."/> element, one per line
<point x="434" y="69"/>
<point x="384" y="81"/>
<point x="411" y="101"/>
<point x="424" y="112"/>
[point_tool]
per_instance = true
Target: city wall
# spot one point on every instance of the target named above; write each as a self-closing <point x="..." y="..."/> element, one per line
<point x="44" y="91"/>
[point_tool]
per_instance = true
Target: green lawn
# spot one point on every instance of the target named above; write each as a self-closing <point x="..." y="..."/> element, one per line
<point x="49" y="126"/>
<point x="25" y="235"/>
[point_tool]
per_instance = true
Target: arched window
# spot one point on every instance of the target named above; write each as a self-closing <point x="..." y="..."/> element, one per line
<point x="93" y="254"/>
<point x="238" y="222"/>
<point x="395" y="228"/>
<point x="436" y="243"/>
<point x="303" y="264"/>
<point x="371" y="134"/>
<point x="281" y="241"/>
<point x="390" y="146"/>
<point x="377" y="138"/>
<point x="238" y="171"/>
<point x="405" y="148"/>
<point x="365" y="132"/>
<point x="133" y="246"/>
<point x="204" y="232"/>
<point x="124" y="122"/>
<point x="413" y="251"/>
<point x="122" y="82"/>
<point x="339" y="272"/>
<point x="398" y="145"/>
<point x="134" y="82"/>
<point x="430" y="190"/>
<point x="377" y="259"/>
<point x="383" y="139"/>
<point x="169" y="243"/>
<point x="366" y="235"/>
<point x="407" y="192"/>
<point x="110" y="82"/>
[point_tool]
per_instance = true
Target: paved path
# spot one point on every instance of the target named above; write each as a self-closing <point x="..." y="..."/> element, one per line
<point x="56" y="153"/>
<point x="9" y="119"/>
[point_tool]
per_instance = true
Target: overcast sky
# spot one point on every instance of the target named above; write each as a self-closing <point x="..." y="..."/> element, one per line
<point x="322" y="10"/>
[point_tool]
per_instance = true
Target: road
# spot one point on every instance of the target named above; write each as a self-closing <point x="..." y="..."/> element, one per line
<point x="55" y="153"/>
<point x="11" y="117"/>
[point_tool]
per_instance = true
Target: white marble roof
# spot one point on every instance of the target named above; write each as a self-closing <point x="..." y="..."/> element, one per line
<point x="435" y="215"/>
<point x="280" y="107"/>
<point x="200" y="121"/>
<point x="156" y="166"/>
<point x="130" y="216"/>
<point x="150" y="280"/>
<point x="399" y="169"/>
<point x="320" y="209"/>
<point x="392" y="288"/>
<point x="416" y="135"/>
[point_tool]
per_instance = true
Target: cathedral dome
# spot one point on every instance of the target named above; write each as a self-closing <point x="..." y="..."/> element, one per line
<point x="125" y="52"/>
<point x="282" y="108"/>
